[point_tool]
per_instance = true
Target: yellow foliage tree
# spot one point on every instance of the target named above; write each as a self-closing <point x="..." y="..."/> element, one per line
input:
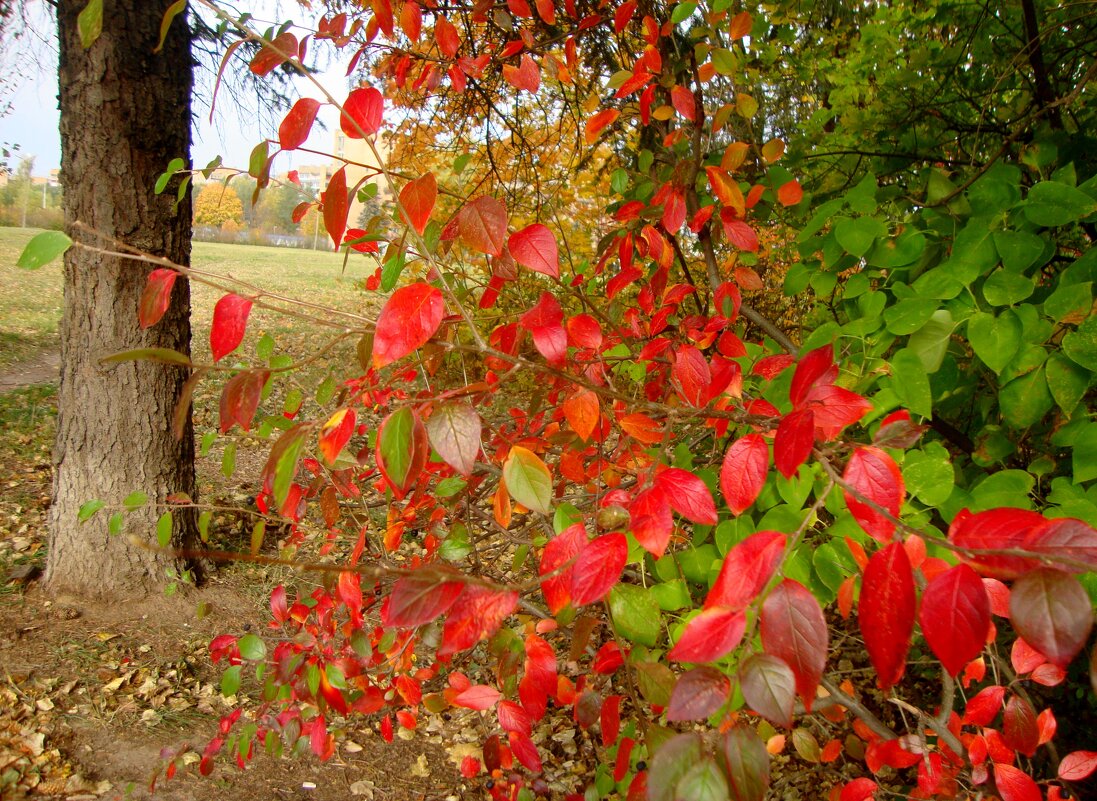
<point x="216" y="204"/>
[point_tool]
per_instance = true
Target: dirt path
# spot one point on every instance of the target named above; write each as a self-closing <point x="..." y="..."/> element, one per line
<point x="43" y="368"/>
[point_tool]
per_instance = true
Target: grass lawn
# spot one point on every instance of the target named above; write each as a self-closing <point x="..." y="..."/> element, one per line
<point x="30" y="301"/>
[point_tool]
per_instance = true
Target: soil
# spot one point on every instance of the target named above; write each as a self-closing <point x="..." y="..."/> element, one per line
<point x="93" y="696"/>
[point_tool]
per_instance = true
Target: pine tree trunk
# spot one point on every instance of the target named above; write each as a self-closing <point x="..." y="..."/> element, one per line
<point x="125" y="113"/>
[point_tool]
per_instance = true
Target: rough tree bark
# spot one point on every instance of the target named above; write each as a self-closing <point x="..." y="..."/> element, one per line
<point x="125" y="112"/>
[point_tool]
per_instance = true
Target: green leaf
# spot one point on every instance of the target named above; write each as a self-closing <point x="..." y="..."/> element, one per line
<point x="995" y="340"/>
<point x="1081" y="345"/>
<point x="135" y="500"/>
<point x="42" y="249"/>
<point x="88" y="509"/>
<point x="173" y="167"/>
<point x="456" y="545"/>
<point x="1050" y="204"/>
<point x="1025" y="400"/>
<point x="1005" y="488"/>
<point x="173" y="11"/>
<point x="228" y="460"/>
<point x="257" y="161"/>
<point x="114" y="524"/>
<point x="203" y="524"/>
<point x="1018" y="250"/>
<point x="1067" y="381"/>
<point x="724" y="61"/>
<point x="857" y="235"/>
<point x="909" y="314"/>
<point x="1004" y="288"/>
<point x="898" y="251"/>
<point x="528" y="479"/>
<point x="89" y="23"/>
<point x="682" y="12"/>
<point x="163" y="530"/>
<point x="1084" y="459"/>
<point x="1070" y="303"/>
<point x="635" y="614"/>
<point x="928" y="474"/>
<point x="230" y="680"/>
<point x="930" y="342"/>
<point x="252" y="647"/>
<point x="671" y="595"/>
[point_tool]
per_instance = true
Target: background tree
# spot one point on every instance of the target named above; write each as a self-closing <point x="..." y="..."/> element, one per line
<point x="217" y="204"/>
<point x="125" y="112"/>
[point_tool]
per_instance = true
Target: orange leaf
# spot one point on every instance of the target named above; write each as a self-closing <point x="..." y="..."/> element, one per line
<point x="527" y="75"/>
<point x="582" y="412"/>
<point x="747" y="279"/>
<point x="501" y="505"/>
<point x="773" y="150"/>
<point x="642" y="428"/>
<point x="418" y="197"/>
<point x="598" y="123"/>
<point x="740" y="25"/>
<point x="734" y="156"/>
<point x="791" y="193"/>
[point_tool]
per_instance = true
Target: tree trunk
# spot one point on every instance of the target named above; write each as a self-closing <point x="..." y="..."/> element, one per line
<point x="125" y="113"/>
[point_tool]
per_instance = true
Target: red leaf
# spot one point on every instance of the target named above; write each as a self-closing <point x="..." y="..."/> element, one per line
<point x="297" y="124"/>
<point x="684" y="103"/>
<point x="545" y="322"/>
<point x="478" y="697"/>
<point x="886" y="612"/>
<point x="598" y="568"/>
<point x="709" y="636"/>
<point x="1052" y="611"/>
<point x="769" y="688"/>
<point x="535" y="247"/>
<point x="527" y="75"/>
<point x="955" y="615"/>
<point x="336" y="206"/>
<point x="477" y="613"/>
<point x="698" y="693"/>
<point x="874" y="474"/>
<point x="483" y="225"/>
<point x="582" y="412"/>
<point x="336" y="433"/>
<point x="740" y="234"/>
<point x="835" y="408"/>
<point x="813" y="367"/>
<point x="410" y="317"/>
<point x="610" y="720"/>
<point x="858" y="790"/>
<point x="362" y="113"/>
<point x="598" y="123"/>
<point x="454" y="431"/>
<point x="240" y="398"/>
<point x="156" y="296"/>
<point x="271" y="55"/>
<point x="445" y="34"/>
<point x="513" y="718"/>
<point x="1019" y="728"/>
<point x="1015" y="785"/>
<point x="1065" y="538"/>
<point x="420" y="598"/>
<point x="411" y="22"/>
<point x="674" y="211"/>
<point x="584" y="332"/>
<point x="995" y="529"/>
<point x="230" y="320"/>
<point x="565" y="546"/>
<point x="794" y="629"/>
<point x="688" y="495"/>
<point x="743" y="473"/>
<point x="692" y="375"/>
<point x="1078" y="765"/>
<point x="746" y="570"/>
<point x="983" y="708"/>
<point x="650" y="520"/>
<point x="418" y="198"/>
<point x="793" y="441"/>
<point x="525" y="750"/>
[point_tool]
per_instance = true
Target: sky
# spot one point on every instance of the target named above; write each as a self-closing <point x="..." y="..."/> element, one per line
<point x="32" y="120"/>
